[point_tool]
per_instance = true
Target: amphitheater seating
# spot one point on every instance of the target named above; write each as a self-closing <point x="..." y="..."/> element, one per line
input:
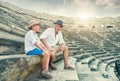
<point x="105" y="60"/>
<point x="93" y="55"/>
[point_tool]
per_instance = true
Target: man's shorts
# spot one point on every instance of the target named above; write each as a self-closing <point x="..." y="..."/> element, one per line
<point x="57" y="48"/>
<point x="35" y="51"/>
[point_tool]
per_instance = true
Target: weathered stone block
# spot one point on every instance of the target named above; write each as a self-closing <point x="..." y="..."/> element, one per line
<point x="13" y="69"/>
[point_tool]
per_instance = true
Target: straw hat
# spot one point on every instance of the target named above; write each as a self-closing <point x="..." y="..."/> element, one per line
<point x="32" y="23"/>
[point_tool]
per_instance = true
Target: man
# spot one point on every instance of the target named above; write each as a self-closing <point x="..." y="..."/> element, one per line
<point x="50" y="38"/>
<point x="33" y="46"/>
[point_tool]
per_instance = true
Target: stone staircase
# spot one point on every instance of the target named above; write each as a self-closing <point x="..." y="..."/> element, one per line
<point x="100" y="62"/>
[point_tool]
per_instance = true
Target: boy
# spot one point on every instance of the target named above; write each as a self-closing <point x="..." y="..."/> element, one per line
<point x="33" y="46"/>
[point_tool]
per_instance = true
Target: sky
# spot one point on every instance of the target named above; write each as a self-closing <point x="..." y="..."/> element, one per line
<point x="72" y="8"/>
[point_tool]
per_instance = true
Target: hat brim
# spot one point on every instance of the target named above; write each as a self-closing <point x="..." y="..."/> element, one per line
<point x="58" y="24"/>
<point x="31" y="25"/>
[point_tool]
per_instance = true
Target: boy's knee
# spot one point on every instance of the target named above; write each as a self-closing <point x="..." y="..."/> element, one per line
<point x="46" y="54"/>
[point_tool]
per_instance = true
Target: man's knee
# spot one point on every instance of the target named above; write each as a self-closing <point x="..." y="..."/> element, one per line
<point x="64" y="48"/>
<point x="52" y="54"/>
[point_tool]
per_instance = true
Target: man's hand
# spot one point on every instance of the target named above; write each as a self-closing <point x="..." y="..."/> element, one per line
<point x="50" y="49"/>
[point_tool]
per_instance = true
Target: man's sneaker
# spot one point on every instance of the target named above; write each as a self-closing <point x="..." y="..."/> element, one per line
<point x="69" y="68"/>
<point x="46" y="75"/>
<point x="53" y="67"/>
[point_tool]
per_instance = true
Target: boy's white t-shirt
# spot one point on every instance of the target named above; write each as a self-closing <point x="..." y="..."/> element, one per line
<point x="30" y="39"/>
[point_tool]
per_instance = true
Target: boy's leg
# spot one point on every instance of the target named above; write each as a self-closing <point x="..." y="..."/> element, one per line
<point x="45" y="61"/>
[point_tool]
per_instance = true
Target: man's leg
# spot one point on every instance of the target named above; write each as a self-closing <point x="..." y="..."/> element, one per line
<point x="52" y="58"/>
<point x="65" y="51"/>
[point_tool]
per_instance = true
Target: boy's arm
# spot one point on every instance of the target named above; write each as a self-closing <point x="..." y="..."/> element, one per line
<point x="40" y="46"/>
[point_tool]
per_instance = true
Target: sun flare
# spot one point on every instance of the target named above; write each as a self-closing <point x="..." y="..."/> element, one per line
<point x="83" y="16"/>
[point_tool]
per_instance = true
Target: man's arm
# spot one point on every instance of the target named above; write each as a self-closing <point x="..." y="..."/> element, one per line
<point x="46" y="45"/>
<point x="61" y="40"/>
<point x="43" y="37"/>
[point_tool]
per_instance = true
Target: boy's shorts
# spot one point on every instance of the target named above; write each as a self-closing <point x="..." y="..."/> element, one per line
<point x="35" y="51"/>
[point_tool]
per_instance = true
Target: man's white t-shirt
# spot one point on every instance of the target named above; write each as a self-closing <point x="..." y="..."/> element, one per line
<point x="30" y="39"/>
<point x="49" y="36"/>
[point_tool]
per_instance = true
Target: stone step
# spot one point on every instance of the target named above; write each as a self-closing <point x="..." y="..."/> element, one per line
<point x="115" y="54"/>
<point x="118" y="56"/>
<point x="82" y="56"/>
<point x="74" y="48"/>
<point x="102" y="68"/>
<point x="82" y="68"/>
<point x="13" y="48"/>
<point x="87" y="44"/>
<point x="111" y="73"/>
<point x="109" y="62"/>
<point x="72" y="45"/>
<point x="112" y="64"/>
<point x="94" y="65"/>
<point x="87" y="60"/>
<point x="91" y="48"/>
<point x="102" y="56"/>
<point x="93" y="51"/>
<point x="73" y="52"/>
<point x="107" y="58"/>
<point x="15" y="30"/>
<point x="61" y="74"/>
<point x="76" y="52"/>
<point x="7" y="36"/>
<point x="85" y="74"/>
<point x="12" y="56"/>
<point x="98" y="53"/>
